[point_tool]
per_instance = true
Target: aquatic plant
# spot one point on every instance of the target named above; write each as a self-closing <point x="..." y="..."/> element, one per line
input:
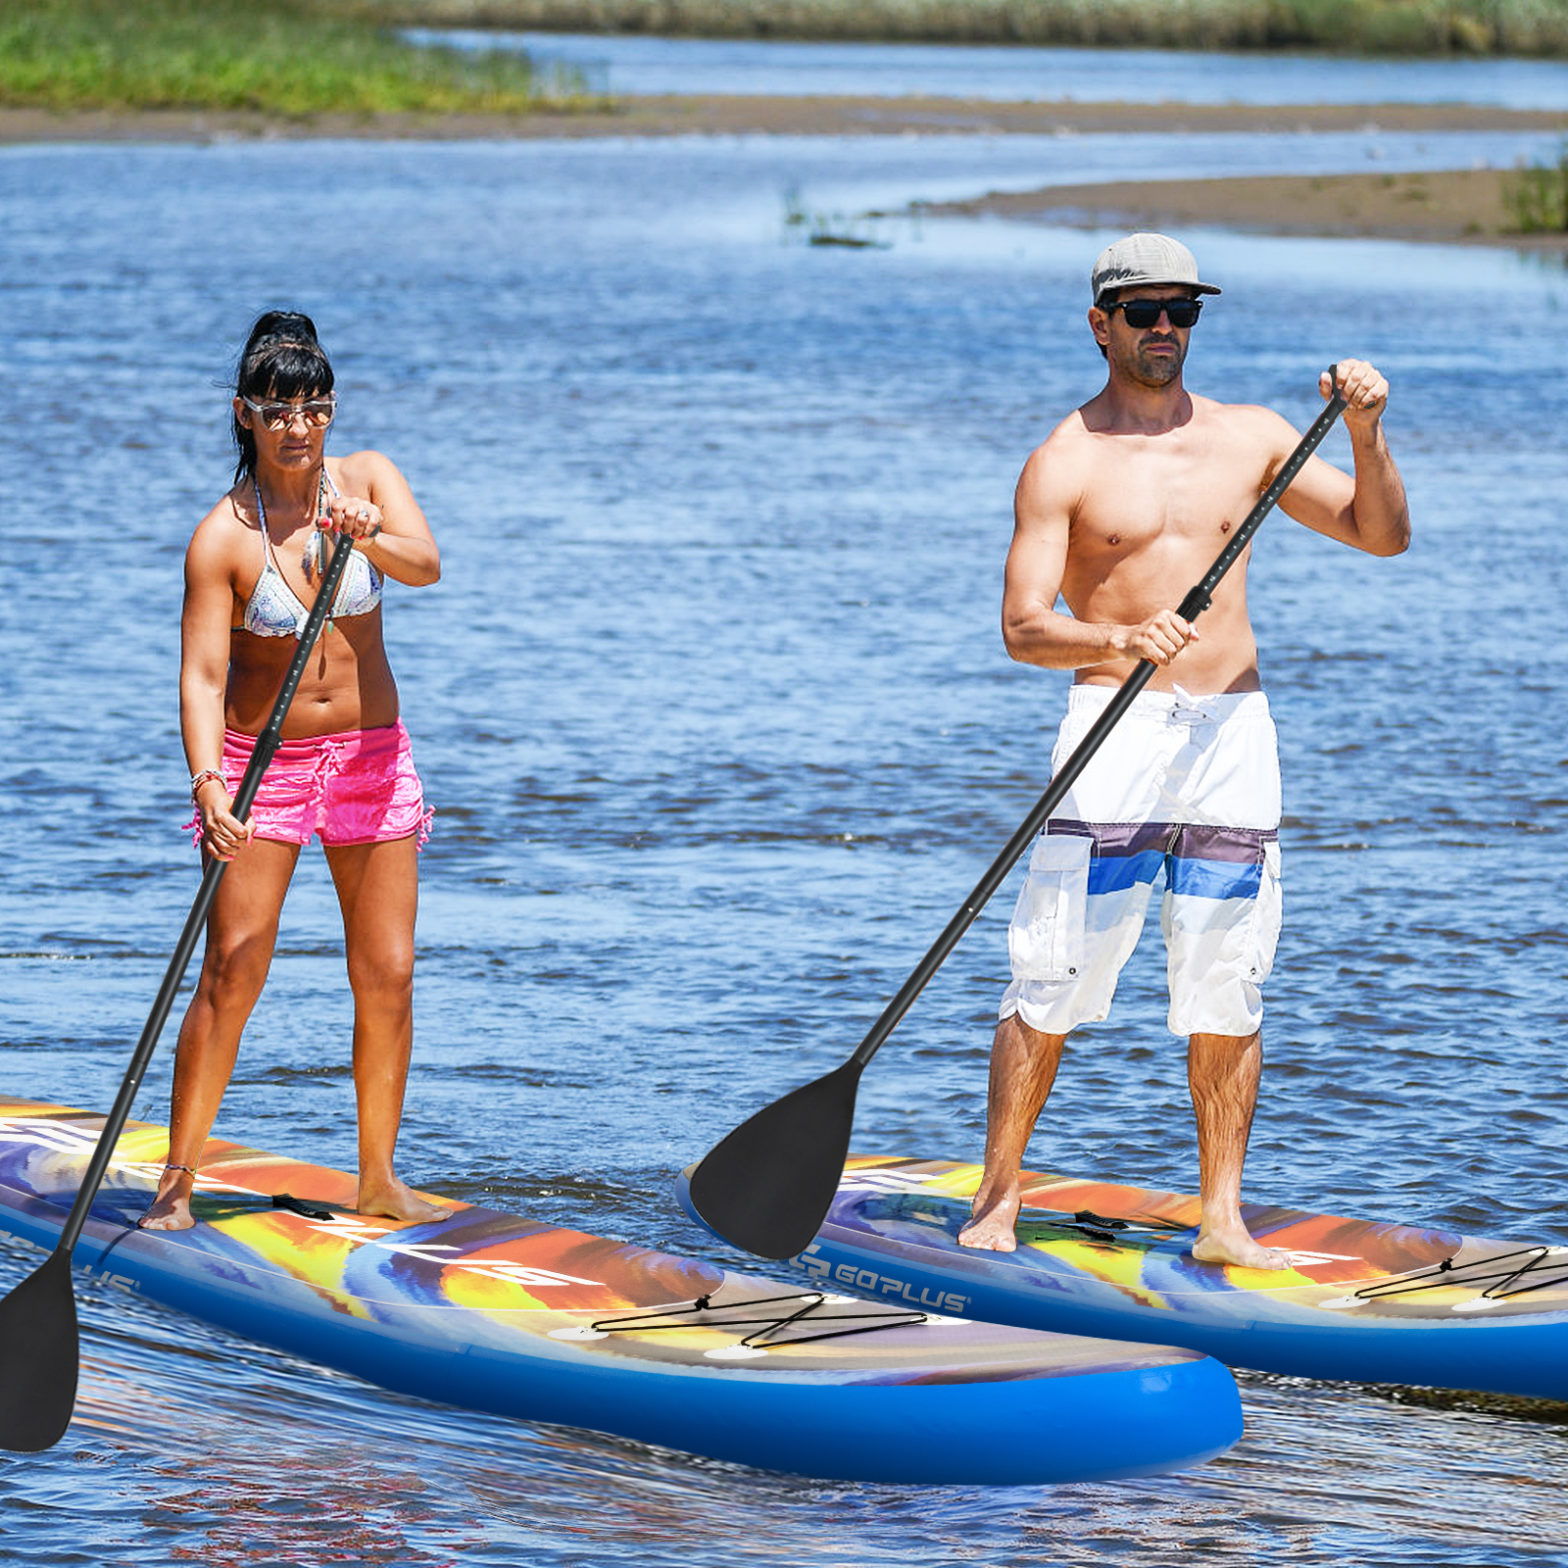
<point x="288" y="57"/>
<point x="831" y="228"/>
<point x="1537" y="196"/>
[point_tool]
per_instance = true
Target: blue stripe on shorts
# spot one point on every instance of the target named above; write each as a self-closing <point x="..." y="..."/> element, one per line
<point x="1199" y="861"/>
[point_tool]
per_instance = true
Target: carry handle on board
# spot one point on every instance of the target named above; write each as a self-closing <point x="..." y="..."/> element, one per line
<point x="39" y="1349"/>
<point x="767" y="1186"/>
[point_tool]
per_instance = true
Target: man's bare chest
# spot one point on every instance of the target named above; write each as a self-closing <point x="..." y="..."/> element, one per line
<point x="1136" y="501"/>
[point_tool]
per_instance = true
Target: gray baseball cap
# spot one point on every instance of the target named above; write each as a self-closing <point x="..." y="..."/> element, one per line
<point x="1144" y="259"/>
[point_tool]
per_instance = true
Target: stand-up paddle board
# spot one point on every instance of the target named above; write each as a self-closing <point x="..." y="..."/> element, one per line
<point x="1361" y="1301"/>
<point x="495" y="1313"/>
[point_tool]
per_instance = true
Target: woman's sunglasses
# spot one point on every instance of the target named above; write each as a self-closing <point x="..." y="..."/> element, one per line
<point x="1141" y="313"/>
<point x="318" y="411"/>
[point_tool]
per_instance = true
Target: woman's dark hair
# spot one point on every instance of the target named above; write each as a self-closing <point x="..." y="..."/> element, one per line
<point x="281" y="359"/>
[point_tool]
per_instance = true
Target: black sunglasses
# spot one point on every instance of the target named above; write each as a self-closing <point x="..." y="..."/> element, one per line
<point x="1141" y="313"/>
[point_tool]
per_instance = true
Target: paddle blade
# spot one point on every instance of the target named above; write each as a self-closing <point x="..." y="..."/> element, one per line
<point x="768" y="1185"/>
<point x="38" y="1358"/>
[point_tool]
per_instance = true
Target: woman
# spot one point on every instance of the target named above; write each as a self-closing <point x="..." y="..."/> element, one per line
<point x="343" y="769"/>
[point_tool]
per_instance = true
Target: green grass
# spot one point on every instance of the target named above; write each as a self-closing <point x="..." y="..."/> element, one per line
<point x="1475" y="27"/>
<point x="291" y="58"/>
<point x="298" y="58"/>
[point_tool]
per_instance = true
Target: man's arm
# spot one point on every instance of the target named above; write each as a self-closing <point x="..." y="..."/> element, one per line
<point x="1034" y="631"/>
<point x="1368" y="512"/>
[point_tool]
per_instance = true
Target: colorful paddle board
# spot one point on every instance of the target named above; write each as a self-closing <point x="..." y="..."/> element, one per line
<point x="1361" y="1301"/>
<point x="491" y="1312"/>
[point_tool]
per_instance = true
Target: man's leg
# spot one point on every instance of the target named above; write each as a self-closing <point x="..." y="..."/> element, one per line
<point x="1223" y="1072"/>
<point x="1023" y="1067"/>
<point x="1067" y="946"/>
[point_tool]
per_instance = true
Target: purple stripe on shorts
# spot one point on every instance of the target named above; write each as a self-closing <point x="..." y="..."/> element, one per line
<point x="1187" y="840"/>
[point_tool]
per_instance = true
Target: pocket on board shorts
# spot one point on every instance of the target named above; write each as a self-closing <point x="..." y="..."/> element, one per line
<point x="1045" y="940"/>
<point x="1267" y="912"/>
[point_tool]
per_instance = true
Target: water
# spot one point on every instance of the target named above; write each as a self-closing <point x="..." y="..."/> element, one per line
<point x="633" y="65"/>
<point x="712" y="705"/>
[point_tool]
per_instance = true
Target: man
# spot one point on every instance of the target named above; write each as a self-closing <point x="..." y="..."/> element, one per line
<point x="1119" y="513"/>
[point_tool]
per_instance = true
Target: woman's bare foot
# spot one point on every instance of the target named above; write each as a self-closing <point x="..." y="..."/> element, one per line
<point x="396" y="1201"/>
<point x="1237" y="1248"/>
<point x="170" y="1208"/>
<point x="991" y="1227"/>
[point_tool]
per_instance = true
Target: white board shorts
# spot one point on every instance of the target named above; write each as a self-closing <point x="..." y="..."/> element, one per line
<point x="1183" y="786"/>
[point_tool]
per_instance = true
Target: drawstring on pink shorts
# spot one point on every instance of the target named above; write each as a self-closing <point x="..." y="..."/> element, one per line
<point x="354" y="787"/>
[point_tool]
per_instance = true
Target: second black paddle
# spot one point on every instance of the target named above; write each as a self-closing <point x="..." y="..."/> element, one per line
<point x="768" y="1185"/>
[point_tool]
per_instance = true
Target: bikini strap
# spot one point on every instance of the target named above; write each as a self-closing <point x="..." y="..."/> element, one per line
<point x="261" y="520"/>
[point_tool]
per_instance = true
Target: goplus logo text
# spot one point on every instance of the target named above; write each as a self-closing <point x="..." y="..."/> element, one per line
<point x="928" y="1298"/>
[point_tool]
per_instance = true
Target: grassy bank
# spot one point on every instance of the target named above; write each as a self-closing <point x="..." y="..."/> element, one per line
<point x="1474" y="27"/>
<point x="281" y="57"/>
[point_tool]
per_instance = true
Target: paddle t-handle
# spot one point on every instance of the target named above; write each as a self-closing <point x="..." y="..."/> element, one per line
<point x="768" y="1184"/>
<point x="39" y="1348"/>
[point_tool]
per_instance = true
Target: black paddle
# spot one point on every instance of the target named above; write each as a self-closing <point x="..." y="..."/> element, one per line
<point x="767" y="1186"/>
<point x="39" y="1352"/>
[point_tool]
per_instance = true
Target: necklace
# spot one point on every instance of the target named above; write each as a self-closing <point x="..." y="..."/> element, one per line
<point x="316" y="552"/>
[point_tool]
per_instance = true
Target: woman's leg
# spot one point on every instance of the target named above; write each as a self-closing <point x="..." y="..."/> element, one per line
<point x="241" y="933"/>
<point x="378" y="890"/>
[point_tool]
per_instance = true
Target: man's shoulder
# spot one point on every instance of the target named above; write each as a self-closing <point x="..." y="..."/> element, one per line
<point x="1243" y="420"/>
<point x="1055" y="473"/>
<point x="1244" y="434"/>
<point x="1070" y="440"/>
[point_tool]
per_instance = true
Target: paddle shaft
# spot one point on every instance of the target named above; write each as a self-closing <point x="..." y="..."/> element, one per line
<point x="1191" y="607"/>
<point x="266" y="745"/>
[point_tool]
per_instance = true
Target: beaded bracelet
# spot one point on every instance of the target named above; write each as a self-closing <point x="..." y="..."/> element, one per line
<point x="198" y="779"/>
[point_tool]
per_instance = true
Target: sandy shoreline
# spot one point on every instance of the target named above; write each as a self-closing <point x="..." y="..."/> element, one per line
<point x="1465" y="206"/>
<point x="740" y="114"/>
<point x="1451" y="207"/>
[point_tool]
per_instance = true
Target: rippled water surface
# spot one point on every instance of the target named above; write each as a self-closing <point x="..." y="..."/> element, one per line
<point x="713" y="707"/>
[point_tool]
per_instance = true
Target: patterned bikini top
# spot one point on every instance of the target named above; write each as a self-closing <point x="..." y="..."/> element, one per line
<point x="274" y="609"/>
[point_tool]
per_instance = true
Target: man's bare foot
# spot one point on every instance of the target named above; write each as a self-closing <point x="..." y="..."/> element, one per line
<point x="1238" y="1249"/>
<point x="170" y="1208"/>
<point x="395" y="1201"/>
<point x="991" y="1228"/>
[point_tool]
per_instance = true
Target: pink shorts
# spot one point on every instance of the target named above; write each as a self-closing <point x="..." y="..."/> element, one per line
<point x="357" y="787"/>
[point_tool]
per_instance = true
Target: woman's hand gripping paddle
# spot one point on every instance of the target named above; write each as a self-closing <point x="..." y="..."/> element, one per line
<point x="768" y="1185"/>
<point x="39" y="1352"/>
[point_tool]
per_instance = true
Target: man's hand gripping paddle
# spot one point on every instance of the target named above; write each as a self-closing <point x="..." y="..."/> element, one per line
<point x="768" y="1185"/>
<point x="39" y="1352"/>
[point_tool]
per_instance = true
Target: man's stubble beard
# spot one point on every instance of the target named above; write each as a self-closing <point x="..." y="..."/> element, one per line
<point x="1153" y="371"/>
